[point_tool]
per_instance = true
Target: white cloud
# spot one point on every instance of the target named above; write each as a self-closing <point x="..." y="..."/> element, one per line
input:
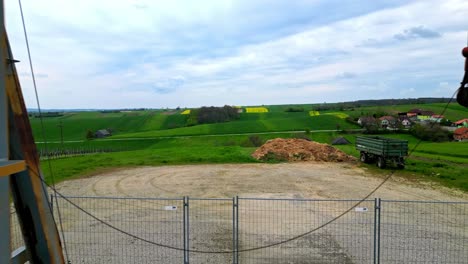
<point x="145" y="54"/>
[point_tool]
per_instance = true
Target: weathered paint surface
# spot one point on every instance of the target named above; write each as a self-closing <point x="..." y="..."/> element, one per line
<point x="30" y="197"/>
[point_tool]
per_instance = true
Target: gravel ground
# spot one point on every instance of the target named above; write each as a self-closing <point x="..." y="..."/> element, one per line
<point x="413" y="233"/>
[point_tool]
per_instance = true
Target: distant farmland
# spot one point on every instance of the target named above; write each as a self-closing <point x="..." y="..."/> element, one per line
<point x="157" y="123"/>
<point x="160" y="138"/>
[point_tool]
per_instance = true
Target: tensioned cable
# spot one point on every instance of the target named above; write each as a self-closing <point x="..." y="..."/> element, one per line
<point x="253" y="248"/>
<point x="42" y="129"/>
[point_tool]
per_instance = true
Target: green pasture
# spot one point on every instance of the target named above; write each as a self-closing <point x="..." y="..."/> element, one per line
<point x="453" y="112"/>
<point x="158" y="137"/>
<point x="155" y="123"/>
<point x="75" y="125"/>
<point x="448" y="167"/>
<point x="253" y="123"/>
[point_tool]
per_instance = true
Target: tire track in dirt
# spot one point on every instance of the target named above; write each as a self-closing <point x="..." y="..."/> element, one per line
<point x="152" y="183"/>
<point x="306" y="179"/>
<point x="94" y="186"/>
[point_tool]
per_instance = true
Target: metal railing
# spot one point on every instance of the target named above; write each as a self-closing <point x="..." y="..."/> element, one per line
<point x="252" y="230"/>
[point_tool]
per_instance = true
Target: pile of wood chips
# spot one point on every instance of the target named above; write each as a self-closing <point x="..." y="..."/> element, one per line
<point x="300" y="150"/>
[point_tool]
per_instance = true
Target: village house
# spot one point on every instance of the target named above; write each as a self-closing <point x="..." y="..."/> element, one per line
<point x="461" y="134"/>
<point x="436" y="118"/>
<point x="461" y="123"/>
<point x="366" y="120"/>
<point x="406" y="122"/>
<point x="420" y="114"/>
<point x="388" y="122"/>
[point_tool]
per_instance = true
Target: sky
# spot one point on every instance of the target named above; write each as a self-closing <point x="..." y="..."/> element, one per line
<point x="156" y="54"/>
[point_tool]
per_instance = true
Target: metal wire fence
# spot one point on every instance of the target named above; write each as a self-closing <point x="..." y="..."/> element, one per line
<point x="376" y="231"/>
<point x="423" y="232"/>
<point x="266" y="221"/>
<point x="15" y="230"/>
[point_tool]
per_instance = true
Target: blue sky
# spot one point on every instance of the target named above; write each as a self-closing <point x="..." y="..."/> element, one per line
<point x="143" y="53"/>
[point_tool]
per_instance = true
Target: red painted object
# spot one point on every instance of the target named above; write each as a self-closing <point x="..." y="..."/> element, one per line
<point x="465" y="52"/>
<point x="462" y="94"/>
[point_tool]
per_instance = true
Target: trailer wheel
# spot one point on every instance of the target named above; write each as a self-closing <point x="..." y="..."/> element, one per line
<point x="380" y="162"/>
<point x="364" y="158"/>
<point x="401" y="163"/>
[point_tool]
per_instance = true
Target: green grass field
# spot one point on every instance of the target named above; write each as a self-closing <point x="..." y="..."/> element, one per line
<point x="448" y="167"/>
<point x="75" y="125"/>
<point x="158" y="124"/>
<point x="453" y="112"/>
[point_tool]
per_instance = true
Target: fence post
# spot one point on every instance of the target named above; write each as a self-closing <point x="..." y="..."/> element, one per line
<point x="186" y="230"/>
<point x="376" y="230"/>
<point x="235" y="230"/>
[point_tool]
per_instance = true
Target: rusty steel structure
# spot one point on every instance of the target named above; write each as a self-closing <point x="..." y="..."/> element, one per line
<point x="21" y="180"/>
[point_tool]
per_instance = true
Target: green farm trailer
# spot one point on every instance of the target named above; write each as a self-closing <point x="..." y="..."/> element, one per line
<point x="382" y="150"/>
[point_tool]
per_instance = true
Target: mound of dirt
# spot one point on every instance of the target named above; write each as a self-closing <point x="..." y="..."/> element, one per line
<point x="299" y="150"/>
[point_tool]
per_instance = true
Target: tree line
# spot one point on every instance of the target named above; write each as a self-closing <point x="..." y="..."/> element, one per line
<point x="212" y="114"/>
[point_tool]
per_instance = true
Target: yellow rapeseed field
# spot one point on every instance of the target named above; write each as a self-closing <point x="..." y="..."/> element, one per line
<point x="338" y="114"/>
<point x="186" y="112"/>
<point x="256" y="110"/>
<point x="314" y="113"/>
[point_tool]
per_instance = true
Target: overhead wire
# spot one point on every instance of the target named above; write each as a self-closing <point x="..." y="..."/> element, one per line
<point x="42" y="129"/>
<point x="56" y="192"/>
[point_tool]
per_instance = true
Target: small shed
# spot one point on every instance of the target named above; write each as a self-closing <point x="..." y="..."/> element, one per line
<point x="340" y="141"/>
<point x="102" y="133"/>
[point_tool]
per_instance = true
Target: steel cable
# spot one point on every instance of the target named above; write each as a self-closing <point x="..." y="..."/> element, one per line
<point x="42" y="128"/>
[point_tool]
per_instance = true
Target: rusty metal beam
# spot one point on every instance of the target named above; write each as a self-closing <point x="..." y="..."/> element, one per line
<point x="29" y="193"/>
<point x="5" y="246"/>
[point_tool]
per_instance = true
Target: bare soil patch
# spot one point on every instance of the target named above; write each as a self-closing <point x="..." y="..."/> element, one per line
<point x="300" y="150"/>
<point x="300" y="180"/>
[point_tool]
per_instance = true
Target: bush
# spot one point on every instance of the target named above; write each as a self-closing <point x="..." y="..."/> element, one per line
<point x="192" y="119"/>
<point x="431" y="132"/>
<point x="445" y="122"/>
<point x="371" y="128"/>
<point x="252" y="141"/>
<point x="208" y="115"/>
<point x="294" y="109"/>
<point x="89" y="135"/>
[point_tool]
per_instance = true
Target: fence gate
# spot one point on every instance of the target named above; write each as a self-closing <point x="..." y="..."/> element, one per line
<point x="423" y="232"/>
<point x="257" y="230"/>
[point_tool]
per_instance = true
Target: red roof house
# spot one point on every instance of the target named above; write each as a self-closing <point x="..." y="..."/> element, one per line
<point x="461" y="134"/>
<point x="461" y="122"/>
